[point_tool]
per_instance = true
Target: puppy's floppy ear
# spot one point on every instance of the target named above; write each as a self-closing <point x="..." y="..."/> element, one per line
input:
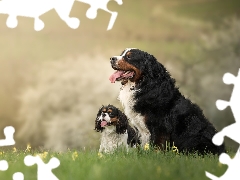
<point x="122" y="123"/>
<point x="98" y="122"/>
<point x="100" y="111"/>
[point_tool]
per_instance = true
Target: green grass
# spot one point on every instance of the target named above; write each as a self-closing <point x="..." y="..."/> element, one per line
<point x="137" y="164"/>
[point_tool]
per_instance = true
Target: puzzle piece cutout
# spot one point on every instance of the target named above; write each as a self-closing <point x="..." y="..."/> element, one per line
<point x="232" y="172"/>
<point x="44" y="171"/>
<point x="101" y="4"/>
<point x="36" y="8"/>
<point x="8" y="132"/>
<point x="3" y="165"/>
<point x="18" y="176"/>
<point x="232" y="131"/>
<point x="235" y="98"/>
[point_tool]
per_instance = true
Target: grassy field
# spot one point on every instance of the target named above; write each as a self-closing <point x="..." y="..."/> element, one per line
<point x="137" y="164"/>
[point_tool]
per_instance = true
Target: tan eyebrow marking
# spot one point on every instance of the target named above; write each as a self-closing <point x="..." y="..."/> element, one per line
<point x="114" y="120"/>
<point x="128" y="53"/>
<point x="109" y="111"/>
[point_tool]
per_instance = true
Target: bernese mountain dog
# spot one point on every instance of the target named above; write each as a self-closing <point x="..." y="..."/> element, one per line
<point x="116" y="132"/>
<point x="156" y="107"/>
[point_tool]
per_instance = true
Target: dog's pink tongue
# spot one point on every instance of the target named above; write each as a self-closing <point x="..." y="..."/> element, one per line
<point x="115" y="75"/>
<point x="103" y="123"/>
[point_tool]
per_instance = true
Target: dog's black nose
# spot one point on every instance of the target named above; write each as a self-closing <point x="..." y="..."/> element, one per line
<point x="103" y="114"/>
<point x="113" y="58"/>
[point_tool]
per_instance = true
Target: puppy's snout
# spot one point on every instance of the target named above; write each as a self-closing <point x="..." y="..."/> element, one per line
<point x="103" y="115"/>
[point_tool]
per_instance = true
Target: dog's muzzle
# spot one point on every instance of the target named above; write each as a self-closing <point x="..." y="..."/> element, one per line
<point x="113" y="61"/>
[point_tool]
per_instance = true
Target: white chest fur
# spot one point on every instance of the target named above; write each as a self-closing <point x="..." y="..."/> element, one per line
<point x="110" y="140"/>
<point x="126" y="97"/>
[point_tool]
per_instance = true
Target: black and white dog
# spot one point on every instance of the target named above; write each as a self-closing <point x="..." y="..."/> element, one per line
<point x="156" y="107"/>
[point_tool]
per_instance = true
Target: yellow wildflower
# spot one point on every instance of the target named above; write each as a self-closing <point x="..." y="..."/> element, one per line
<point x="28" y="148"/>
<point x="74" y="155"/>
<point x="100" y="155"/>
<point x="43" y="155"/>
<point x="146" y="147"/>
<point x="14" y="149"/>
<point x="174" y="148"/>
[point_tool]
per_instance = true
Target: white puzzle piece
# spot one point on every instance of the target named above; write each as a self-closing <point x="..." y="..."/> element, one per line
<point x="232" y="131"/>
<point x="101" y="4"/>
<point x="8" y="132"/>
<point x="35" y="8"/>
<point x="234" y="102"/>
<point x="3" y="165"/>
<point x="44" y="171"/>
<point x="18" y="176"/>
<point x="232" y="172"/>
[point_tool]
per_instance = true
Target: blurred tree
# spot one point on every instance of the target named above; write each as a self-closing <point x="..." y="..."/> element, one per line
<point x="219" y="53"/>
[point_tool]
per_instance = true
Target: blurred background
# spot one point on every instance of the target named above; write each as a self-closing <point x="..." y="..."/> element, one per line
<point x="53" y="82"/>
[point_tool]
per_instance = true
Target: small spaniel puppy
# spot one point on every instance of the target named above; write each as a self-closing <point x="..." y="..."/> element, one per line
<point x="156" y="107"/>
<point x="113" y="124"/>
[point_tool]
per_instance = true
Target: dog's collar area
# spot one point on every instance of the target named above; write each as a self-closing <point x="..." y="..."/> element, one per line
<point x="132" y="88"/>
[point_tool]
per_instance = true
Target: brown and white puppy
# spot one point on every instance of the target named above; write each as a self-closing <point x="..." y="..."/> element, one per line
<point x="113" y="124"/>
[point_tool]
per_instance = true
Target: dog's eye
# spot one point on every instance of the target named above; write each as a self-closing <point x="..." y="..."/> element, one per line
<point x="128" y="57"/>
<point x="111" y="115"/>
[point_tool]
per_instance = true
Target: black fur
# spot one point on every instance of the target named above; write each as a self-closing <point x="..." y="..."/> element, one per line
<point x="168" y="113"/>
<point x="133" y="137"/>
<point x="122" y="124"/>
<point x="98" y="127"/>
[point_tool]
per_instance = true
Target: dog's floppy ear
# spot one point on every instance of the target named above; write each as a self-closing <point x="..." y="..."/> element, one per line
<point x="122" y="123"/>
<point x="98" y="122"/>
<point x="152" y="67"/>
<point x="155" y="75"/>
